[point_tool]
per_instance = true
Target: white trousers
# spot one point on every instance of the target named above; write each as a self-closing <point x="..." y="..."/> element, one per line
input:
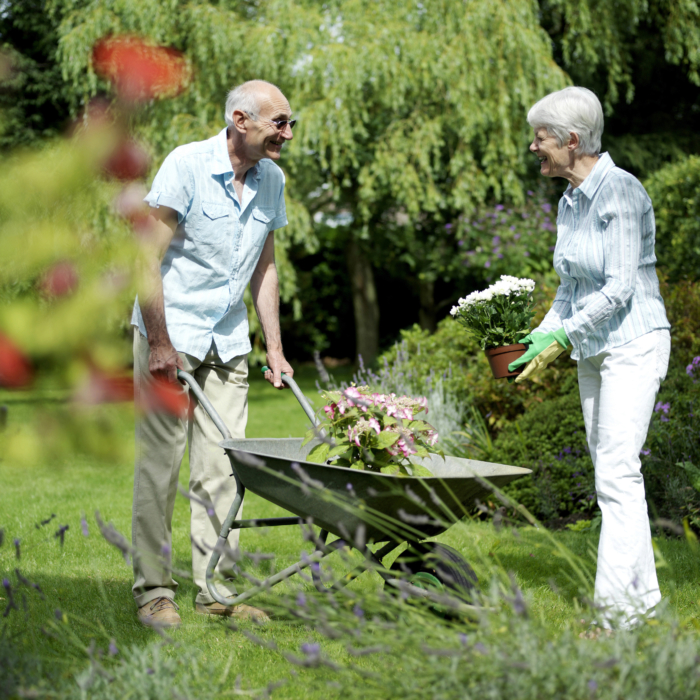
<point x="161" y="439"/>
<point x="618" y="389"/>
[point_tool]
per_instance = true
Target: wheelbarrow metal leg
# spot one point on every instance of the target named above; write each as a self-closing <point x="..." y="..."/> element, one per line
<point x="280" y="576"/>
<point x="226" y="528"/>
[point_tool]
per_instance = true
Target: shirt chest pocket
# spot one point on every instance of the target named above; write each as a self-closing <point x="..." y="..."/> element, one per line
<point x="260" y="224"/>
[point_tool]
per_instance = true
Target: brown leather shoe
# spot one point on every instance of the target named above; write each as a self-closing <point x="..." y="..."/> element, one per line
<point x="161" y="612"/>
<point x="240" y="612"/>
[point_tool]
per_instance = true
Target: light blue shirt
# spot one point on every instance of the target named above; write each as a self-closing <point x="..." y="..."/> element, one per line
<point x="216" y="245"/>
<point x="609" y="290"/>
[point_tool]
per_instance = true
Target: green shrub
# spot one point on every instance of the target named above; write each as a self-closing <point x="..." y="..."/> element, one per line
<point x="682" y="300"/>
<point x="675" y="192"/>
<point x="451" y="353"/>
<point x="550" y="439"/>
<point x="671" y="458"/>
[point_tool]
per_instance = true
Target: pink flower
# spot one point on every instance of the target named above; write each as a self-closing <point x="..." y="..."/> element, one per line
<point x="329" y="411"/>
<point x="405" y="413"/>
<point x="374" y="424"/>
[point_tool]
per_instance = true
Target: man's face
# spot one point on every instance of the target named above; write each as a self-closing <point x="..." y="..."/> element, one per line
<point x="262" y="138"/>
<point x="554" y="159"/>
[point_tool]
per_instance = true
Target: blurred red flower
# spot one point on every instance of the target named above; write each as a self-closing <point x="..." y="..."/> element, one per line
<point x="15" y="369"/>
<point x="138" y="70"/>
<point x="164" y="396"/>
<point x="105" y="387"/>
<point x="128" y="161"/>
<point x="59" y="280"/>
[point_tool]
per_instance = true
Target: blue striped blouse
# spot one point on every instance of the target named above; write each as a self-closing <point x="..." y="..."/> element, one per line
<point x="609" y="291"/>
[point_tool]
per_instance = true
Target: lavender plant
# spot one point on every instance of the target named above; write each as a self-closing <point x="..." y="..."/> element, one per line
<point x="499" y="315"/>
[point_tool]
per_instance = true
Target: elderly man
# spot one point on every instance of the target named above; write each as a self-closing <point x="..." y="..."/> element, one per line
<point x="215" y="207"/>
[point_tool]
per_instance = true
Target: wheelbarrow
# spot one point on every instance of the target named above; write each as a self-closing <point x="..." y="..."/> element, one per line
<point x="360" y="508"/>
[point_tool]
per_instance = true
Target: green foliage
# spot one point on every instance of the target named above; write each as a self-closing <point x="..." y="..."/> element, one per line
<point x="675" y="192"/>
<point x="550" y="439"/>
<point x="672" y="451"/>
<point x="33" y="103"/>
<point x="55" y="211"/>
<point x="595" y="38"/>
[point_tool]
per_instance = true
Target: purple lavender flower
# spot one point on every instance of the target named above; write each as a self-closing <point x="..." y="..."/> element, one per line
<point x="546" y="207"/>
<point x="165" y="550"/>
<point x="665" y="407"/>
<point x="530" y="193"/>
<point x="301" y="600"/>
<point x="645" y="452"/>
<point x="448" y="226"/>
<point x="499" y="207"/>
<point x="311" y="649"/>
<point x="487" y="263"/>
<point x="358" y="612"/>
<point x="516" y="236"/>
<point x="495" y="240"/>
<point x="526" y="253"/>
<point x="592" y="685"/>
<point x="113" y="651"/>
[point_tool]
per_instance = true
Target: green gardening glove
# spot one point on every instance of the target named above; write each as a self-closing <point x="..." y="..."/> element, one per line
<point x="543" y="349"/>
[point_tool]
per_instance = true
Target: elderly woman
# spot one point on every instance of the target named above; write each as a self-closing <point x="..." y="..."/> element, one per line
<point x="608" y="307"/>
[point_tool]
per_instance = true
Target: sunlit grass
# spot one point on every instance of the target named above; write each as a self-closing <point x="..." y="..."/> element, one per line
<point x="88" y="580"/>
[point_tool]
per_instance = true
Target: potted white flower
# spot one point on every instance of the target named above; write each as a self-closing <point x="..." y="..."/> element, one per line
<point x="498" y="317"/>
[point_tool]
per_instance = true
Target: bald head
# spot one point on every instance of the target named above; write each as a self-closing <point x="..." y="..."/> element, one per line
<point x="251" y="97"/>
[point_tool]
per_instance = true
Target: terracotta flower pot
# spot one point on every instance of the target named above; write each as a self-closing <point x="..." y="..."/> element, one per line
<point x="500" y="358"/>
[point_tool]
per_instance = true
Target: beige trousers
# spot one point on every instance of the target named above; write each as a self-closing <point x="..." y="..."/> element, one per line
<point x="161" y="439"/>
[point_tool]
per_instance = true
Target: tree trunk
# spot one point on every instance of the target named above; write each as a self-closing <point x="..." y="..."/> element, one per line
<point x="364" y="302"/>
<point x="426" y="312"/>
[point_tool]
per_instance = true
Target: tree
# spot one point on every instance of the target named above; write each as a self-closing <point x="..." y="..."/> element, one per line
<point x="410" y="115"/>
<point x="33" y="101"/>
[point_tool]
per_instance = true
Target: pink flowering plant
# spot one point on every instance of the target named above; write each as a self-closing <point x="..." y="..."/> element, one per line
<point x="378" y="432"/>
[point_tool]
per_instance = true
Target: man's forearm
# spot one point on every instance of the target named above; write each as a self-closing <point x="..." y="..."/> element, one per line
<point x="264" y="287"/>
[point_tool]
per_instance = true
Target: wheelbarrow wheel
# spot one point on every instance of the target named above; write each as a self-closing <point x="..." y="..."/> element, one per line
<point x="444" y="563"/>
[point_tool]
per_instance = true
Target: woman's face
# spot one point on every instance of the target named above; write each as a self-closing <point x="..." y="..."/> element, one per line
<point x="555" y="160"/>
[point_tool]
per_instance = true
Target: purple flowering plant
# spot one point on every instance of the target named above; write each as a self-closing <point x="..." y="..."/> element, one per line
<point x="374" y="431"/>
<point x="514" y="238"/>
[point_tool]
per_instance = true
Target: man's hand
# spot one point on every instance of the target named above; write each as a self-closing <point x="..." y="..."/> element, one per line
<point x="164" y="362"/>
<point x="277" y="365"/>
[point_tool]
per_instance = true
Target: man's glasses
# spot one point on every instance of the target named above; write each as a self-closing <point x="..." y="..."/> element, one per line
<point x="282" y="123"/>
<point x="279" y="123"/>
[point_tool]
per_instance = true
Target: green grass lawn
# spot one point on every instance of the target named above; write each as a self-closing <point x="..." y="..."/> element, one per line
<point x="88" y="581"/>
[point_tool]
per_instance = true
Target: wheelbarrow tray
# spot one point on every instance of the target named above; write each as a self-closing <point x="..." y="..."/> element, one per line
<point x="346" y="501"/>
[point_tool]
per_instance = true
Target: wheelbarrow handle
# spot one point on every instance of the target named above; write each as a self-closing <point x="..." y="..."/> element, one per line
<point x="204" y="402"/>
<point x="299" y="396"/>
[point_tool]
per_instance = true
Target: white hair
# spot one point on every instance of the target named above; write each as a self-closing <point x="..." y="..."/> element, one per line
<point x="571" y="110"/>
<point x="245" y="97"/>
